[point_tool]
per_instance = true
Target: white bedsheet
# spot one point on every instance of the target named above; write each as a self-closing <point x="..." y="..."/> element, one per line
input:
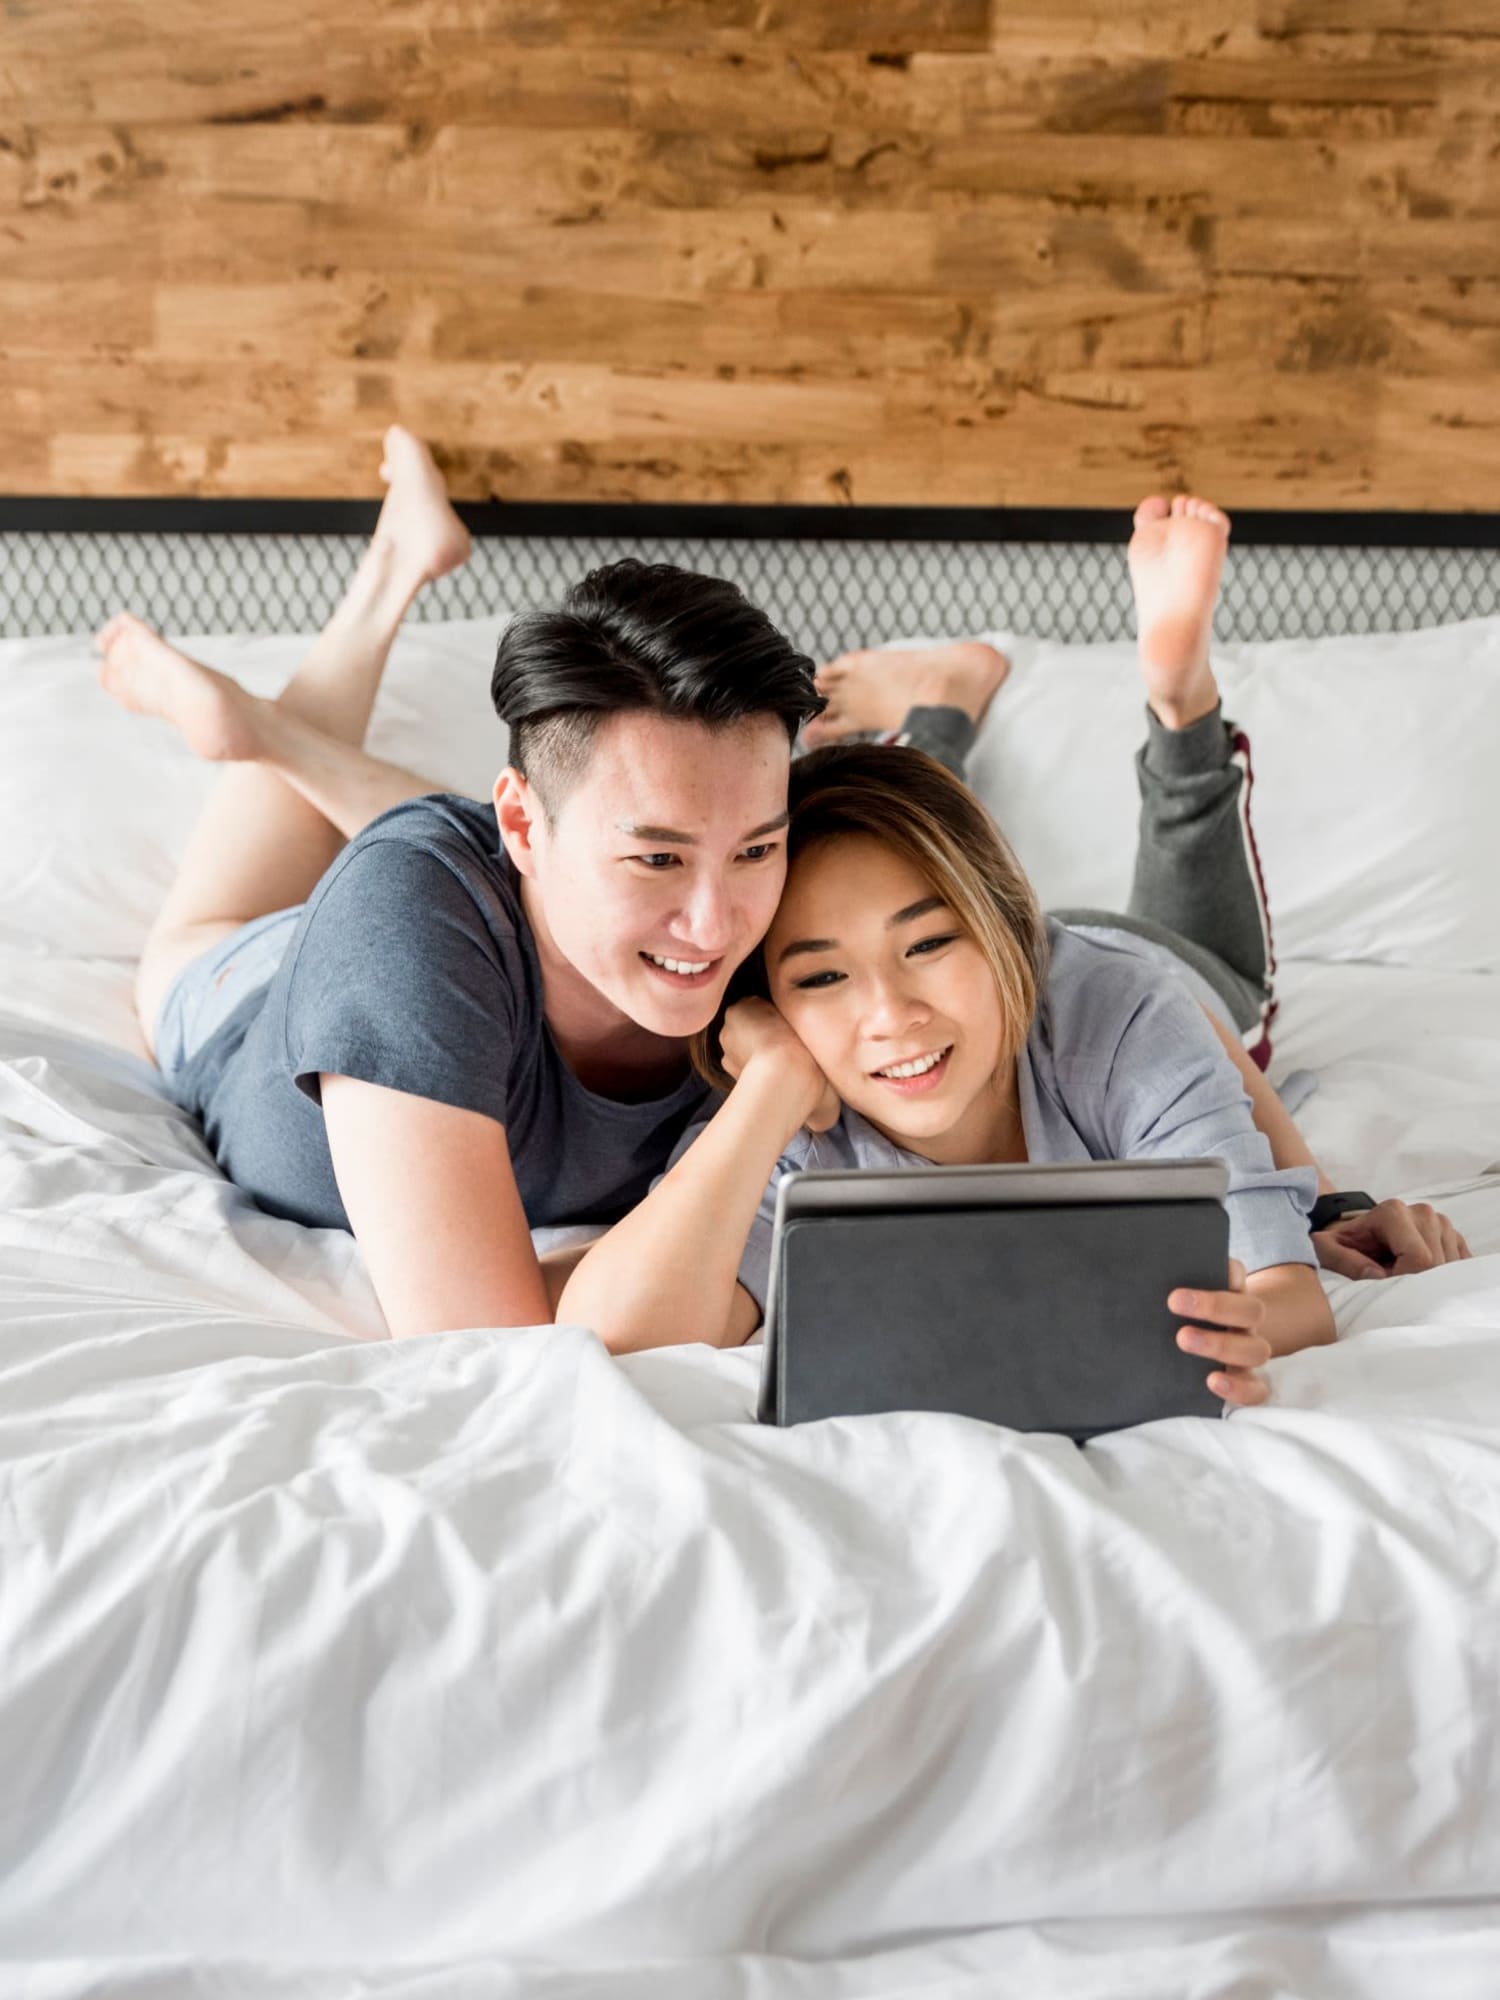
<point x="1413" y="1952"/>
<point x="486" y="1653"/>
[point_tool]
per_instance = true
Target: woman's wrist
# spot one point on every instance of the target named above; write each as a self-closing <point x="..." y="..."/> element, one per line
<point x="1298" y="1314"/>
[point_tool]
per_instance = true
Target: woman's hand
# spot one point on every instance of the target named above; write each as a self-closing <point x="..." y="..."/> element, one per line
<point x="1236" y="1340"/>
<point x="1388" y="1241"/>
<point x="755" y="1035"/>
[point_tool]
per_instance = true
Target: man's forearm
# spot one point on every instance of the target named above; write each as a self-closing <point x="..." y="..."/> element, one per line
<point x="666" y="1273"/>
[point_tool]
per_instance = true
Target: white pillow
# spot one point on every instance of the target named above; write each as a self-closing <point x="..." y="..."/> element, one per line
<point x="96" y="804"/>
<point x="1376" y="804"/>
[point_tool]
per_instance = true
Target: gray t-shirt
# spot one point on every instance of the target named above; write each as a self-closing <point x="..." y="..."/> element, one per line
<point x="413" y="966"/>
<point x="1120" y="1064"/>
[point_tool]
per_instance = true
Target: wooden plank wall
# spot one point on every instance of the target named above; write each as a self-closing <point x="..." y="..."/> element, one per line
<point x="960" y="252"/>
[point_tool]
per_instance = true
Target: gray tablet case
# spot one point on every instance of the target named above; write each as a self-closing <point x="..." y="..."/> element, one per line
<point x="1033" y="1297"/>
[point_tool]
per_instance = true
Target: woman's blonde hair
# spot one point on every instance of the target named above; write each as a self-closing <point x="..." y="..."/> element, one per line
<point x="909" y="803"/>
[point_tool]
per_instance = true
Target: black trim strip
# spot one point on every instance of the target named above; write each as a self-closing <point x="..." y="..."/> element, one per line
<point x="50" y="514"/>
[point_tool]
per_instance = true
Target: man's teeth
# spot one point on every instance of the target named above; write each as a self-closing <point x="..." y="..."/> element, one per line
<point x="679" y="964"/>
<point x="918" y="1068"/>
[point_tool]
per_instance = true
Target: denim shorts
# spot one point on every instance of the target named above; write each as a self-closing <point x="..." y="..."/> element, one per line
<point x="209" y="988"/>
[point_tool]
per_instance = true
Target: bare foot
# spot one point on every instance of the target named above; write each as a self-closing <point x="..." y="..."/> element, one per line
<point x="416" y="521"/>
<point x="873" y="690"/>
<point x="215" y="714"/>
<point x="1176" y="556"/>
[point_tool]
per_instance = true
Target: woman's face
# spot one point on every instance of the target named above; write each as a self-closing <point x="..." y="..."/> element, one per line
<point x="874" y="972"/>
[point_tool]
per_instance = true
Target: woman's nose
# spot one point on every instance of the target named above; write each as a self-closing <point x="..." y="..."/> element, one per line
<point x="892" y="1009"/>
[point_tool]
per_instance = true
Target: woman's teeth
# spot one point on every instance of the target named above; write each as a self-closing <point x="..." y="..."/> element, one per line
<point x="682" y="965"/>
<point x="918" y="1067"/>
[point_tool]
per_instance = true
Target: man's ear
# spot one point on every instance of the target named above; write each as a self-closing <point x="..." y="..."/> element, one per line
<point x="517" y="812"/>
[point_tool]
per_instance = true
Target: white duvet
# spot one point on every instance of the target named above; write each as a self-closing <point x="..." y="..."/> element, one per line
<point x="455" y="1659"/>
<point x="487" y="1665"/>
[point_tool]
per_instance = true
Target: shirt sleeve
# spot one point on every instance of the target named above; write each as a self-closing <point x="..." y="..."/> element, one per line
<point x="1172" y="1093"/>
<point x="398" y="982"/>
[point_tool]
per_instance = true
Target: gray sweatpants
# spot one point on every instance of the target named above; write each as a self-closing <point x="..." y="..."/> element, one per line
<point x="1197" y="890"/>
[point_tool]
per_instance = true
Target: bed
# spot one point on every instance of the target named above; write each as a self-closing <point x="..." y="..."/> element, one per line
<point x="486" y="1663"/>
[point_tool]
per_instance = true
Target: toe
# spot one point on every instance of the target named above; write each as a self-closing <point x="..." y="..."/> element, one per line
<point x="123" y="623"/>
<point x="1153" y="508"/>
<point x="1179" y="505"/>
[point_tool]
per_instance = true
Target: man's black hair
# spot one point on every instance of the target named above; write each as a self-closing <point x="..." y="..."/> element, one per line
<point x="642" y="636"/>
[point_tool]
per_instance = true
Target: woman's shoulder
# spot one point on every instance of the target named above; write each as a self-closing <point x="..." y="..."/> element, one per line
<point x="1091" y="987"/>
<point x="852" y="1142"/>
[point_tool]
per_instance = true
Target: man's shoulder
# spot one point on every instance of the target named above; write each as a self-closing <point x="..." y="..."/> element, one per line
<point x="446" y="824"/>
<point x="425" y="852"/>
<point x="420" y="911"/>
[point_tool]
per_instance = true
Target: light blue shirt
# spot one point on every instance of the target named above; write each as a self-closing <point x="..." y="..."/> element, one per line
<point x="1120" y="1064"/>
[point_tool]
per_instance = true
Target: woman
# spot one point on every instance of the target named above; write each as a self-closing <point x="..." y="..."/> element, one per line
<point x="910" y="1005"/>
<point x="301" y="785"/>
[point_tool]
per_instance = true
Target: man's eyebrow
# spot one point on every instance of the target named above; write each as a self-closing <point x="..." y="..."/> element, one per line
<point x="667" y="835"/>
<point x="670" y="837"/>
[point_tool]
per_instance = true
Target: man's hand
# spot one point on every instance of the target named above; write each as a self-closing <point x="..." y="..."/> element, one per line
<point x="1235" y="1340"/>
<point x="1388" y="1241"/>
<point x="754" y="1032"/>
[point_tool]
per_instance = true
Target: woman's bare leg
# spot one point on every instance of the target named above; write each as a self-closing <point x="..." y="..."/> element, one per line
<point x="263" y="842"/>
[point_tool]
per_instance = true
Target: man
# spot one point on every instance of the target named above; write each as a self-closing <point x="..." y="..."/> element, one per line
<point x="472" y="1019"/>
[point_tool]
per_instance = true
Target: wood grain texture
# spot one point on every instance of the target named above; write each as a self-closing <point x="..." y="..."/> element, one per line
<point x="924" y="252"/>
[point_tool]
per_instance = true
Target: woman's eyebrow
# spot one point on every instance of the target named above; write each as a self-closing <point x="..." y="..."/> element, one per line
<point x="805" y="945"/>
<point x="907" y="916"/>
<point x="914" y="910"/>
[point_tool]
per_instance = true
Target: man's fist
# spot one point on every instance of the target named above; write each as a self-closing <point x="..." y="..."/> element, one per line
<point x="755" y="1034"/>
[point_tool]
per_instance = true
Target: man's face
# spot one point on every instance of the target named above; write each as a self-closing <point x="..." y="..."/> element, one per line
<point x="672" y="846"/>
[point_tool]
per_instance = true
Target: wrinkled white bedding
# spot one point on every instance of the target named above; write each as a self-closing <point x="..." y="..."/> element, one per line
<point x="485" y="1665"/>
<point x="434" y="1663"/>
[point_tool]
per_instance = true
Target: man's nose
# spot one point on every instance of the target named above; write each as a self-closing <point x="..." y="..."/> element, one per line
<point x="707" y="919"/>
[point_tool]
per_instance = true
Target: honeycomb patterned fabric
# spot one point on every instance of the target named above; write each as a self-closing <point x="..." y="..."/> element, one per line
<point x="827" y="594"/>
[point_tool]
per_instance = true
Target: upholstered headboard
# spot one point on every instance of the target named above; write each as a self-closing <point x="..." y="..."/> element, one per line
<point x="832" y="577"/>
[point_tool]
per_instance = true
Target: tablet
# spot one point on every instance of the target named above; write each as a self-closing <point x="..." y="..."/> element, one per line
<point x="1034" y="1297"/>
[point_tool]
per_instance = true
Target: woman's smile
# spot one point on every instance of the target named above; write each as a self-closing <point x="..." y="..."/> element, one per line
<point x="916" y="1075"/>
